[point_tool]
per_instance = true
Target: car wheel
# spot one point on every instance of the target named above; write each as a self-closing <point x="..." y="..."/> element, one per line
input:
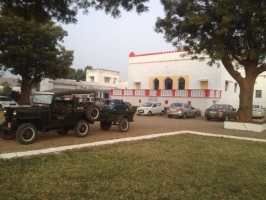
<point x="123" y="125"/>
<point x="138" y="114"/>
<point x="64" y="131"/>
<point x="93" y="113"/>
<point x="82" y="128"/>
<point x="149" y="113"/>
<point x="26" y="133"/>
<point x="7" y="135"/>
<point x="162" y="113"/>
<point x="226" y="118"/>
<point x="184" y="116"/>
<point x="170" y="116"/>
<point x="105" y="126"/>
<point x="195" y="115"/>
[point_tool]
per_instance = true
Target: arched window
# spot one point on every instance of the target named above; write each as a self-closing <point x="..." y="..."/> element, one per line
<point x="156" y="84"/>
<point x="181" y="83"/>
<point x="168" y="84"/>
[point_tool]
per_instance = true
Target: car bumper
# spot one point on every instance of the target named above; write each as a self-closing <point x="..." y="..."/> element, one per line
<point x="174" y="113"/>
<point x="257" y="114"/>
<point x="213" y="116"/>
<point x="142" y="112"/>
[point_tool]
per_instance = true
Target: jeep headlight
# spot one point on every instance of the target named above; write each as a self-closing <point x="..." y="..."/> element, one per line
<point x="4" y="111"/>
<point x="14" y="113"/>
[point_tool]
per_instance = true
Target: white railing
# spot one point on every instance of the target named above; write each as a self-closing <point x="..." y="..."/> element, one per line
<point x="140" y="92"/>
<point x="166" y="93"/>
<point x="197" y="93"/>
<point x="128" y="92"/>
<point x="181" y="93"/>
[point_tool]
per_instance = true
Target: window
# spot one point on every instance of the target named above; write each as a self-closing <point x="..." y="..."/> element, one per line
<point x="156" y="84"/>
<point x="114" y="80"/>
<point x="181" y="83"/>
<point x="106" y="79"/>
<point x="258" y="94"/>
<point x="226" y="85"/>
<point x="235" y="89"/>
<point x="92" y="79"/>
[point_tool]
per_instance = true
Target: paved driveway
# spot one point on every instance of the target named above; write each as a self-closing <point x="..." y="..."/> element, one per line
<point x="142" y="125"/>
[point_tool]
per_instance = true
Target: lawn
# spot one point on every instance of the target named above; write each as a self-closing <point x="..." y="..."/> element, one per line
<point x="175" y="167"/>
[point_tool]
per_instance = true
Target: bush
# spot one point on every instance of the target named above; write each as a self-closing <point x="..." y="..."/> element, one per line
<point x="198" y="112"/>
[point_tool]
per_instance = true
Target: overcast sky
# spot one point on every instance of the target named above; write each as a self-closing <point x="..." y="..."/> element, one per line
<point x="100" y="41"/>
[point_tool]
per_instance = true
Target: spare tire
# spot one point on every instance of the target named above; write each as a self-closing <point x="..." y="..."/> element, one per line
<point x="93" y="113"/>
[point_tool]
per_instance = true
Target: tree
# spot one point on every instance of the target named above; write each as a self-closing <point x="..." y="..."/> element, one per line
<point x="79" y="74"/>
<point x="31" y="50"/>
<point x="65" y="11"/>
<point x="6" y="89"/>
<point x="230" y="31"/>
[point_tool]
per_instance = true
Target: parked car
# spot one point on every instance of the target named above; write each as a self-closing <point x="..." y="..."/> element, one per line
<point x="97" y="101"/>
<point x="221" y="111"/>
<point x="115" y="104"/>
<point x="151" y="108"/>
<point x="258" y="111"/>
<point x="183" y="110"/>
<point x="7" y="102"/>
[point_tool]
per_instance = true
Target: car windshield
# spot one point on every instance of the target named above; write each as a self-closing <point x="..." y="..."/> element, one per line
<point x="5" y="99"/>
<point x="217" y="107"/>
<point x="42" y="98"/>
<point x="176" y="105"/>
<point x="256" y="106"/>
<point x="147" y="104"/>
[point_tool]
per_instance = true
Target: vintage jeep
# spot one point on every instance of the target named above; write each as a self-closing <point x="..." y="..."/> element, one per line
<point x="58" y="111"/>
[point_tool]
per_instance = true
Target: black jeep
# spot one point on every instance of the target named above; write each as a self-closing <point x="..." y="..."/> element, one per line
<point x="59" y="111"/>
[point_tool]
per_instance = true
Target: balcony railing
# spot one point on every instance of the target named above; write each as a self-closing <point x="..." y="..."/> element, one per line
<point x="202" y="93"/>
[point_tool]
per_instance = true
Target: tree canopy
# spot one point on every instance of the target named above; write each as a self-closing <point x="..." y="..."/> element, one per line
<point x="31" y="49"/>
<point x="66" y="11"/>
<point x="232" y="31"/>
<point x="78" y="74"/>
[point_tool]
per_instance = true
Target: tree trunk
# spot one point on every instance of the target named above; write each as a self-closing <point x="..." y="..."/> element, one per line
<point x="25" y="91"/>
<point x="246" y="85"/>
<point x="246" y="99"/>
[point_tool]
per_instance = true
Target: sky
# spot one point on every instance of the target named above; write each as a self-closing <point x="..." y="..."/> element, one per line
<point x="101" y="41"/>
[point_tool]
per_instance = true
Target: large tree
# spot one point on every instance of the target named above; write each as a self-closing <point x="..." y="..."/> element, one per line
<point x="32" y="50"/>
<point x="66" y="11"/>
<point x="230" y="31"/>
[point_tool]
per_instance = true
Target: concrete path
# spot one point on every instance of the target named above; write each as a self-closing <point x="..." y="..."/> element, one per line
<point x="63" y="148"/>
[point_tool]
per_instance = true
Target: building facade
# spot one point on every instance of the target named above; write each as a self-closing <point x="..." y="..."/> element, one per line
<point x="172" y="77"/>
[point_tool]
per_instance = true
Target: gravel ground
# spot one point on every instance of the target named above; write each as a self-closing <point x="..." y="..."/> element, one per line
<point x="142" y="125"/>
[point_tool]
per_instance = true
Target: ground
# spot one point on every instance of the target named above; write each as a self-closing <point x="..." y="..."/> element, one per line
<point x="142" y="125"/>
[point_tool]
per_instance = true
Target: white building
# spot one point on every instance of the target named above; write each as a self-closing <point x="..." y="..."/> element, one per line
<point x="96" y="79"/>
<point x="168" y="77"/>
<point x="259" y="95"/>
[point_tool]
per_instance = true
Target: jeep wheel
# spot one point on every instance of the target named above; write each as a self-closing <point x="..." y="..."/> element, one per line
<point x="82" y="128"/>
<point x="123" y="125"/>
<point x="26" y="133"/>
<point x="7" y="135"/>
<point x="92" y="113"/>
<point x="105" y="126"/>
<point x="64" y="131"/>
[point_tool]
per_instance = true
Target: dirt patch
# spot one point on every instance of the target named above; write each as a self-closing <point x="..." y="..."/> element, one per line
<point x="142" y="125"/>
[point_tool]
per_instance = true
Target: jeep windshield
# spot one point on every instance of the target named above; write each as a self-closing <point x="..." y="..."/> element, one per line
<point x="42" y="98"/>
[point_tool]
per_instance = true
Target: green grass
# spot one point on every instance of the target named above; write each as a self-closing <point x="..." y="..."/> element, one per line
<point x="177" y="167"/>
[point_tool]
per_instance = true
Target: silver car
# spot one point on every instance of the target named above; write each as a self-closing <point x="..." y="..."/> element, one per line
<point x="183" y="110"/>
<point x="7" y="102"/>
<point x="258" y="111"/>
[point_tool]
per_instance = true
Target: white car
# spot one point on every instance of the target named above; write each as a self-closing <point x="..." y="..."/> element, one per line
<point x="258" y="111"/>
<point x="7" y="102"/>
<point x="151" y="108"/>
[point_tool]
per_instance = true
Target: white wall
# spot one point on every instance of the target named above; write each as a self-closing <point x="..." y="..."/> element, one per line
<point x="171" y="63"/>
